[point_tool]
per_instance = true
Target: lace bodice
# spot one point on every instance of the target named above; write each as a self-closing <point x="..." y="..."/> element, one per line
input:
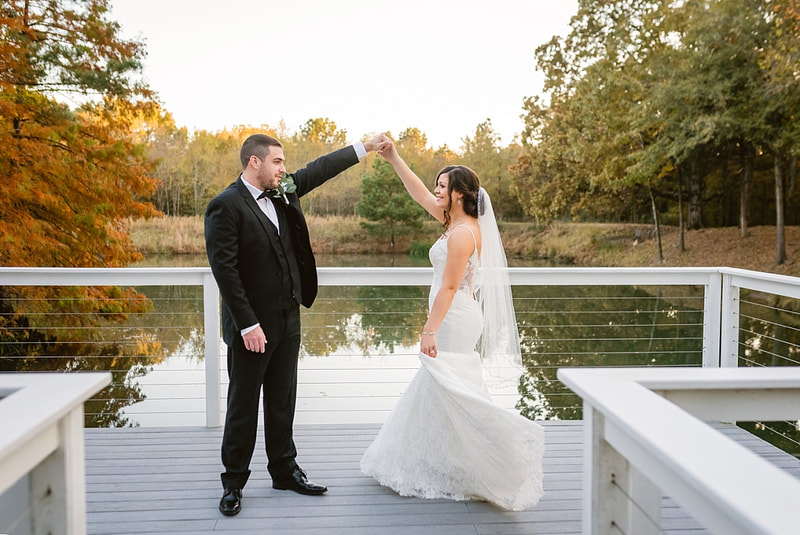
<point x="438" y="258"/>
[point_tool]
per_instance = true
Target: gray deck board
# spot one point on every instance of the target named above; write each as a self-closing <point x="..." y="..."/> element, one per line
<point x="160" y="481"/>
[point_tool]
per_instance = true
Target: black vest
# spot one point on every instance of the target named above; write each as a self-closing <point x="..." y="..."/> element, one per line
<point x="290" y="271"/>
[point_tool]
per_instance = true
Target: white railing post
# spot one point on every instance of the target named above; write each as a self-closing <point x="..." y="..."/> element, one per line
<point x="729" y="349"/>
<point x="592" y="435"/>
<point x="211" y="324"/>
<point x="617" y="498"/>
<point x="58" y="484"/>
<point x="711" y="320"/>
<point x="646" y="500"/>
<point x="42" y="446"/>
<point x="604" y="506"/>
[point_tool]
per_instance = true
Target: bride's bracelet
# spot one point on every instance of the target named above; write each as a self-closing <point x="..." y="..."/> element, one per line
<point x="430" y="333"/>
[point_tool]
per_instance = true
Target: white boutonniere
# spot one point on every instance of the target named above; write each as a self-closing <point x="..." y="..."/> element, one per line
<point x="286" y="185"/>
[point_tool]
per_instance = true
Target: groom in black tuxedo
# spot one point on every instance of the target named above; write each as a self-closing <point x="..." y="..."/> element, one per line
<point x="259" y="251"/>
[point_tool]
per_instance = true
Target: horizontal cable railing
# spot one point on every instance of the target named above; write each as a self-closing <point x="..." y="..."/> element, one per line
<point x="360" y="338"/>
<point x="764" y="329"/>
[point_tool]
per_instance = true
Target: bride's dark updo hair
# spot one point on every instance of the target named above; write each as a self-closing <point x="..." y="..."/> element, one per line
<point x="465" y="181"/>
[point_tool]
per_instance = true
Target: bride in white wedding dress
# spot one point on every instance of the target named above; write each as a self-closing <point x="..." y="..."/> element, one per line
<point x="445" y="438"/>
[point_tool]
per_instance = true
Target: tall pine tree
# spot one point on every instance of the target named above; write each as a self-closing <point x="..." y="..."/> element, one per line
<point x="386" y="203"/>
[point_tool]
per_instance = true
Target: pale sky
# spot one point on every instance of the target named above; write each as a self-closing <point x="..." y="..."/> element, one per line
<point x="442" y="66"/>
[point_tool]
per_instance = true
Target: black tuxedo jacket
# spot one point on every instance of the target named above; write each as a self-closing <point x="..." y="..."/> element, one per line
<point x="244" y="248"/>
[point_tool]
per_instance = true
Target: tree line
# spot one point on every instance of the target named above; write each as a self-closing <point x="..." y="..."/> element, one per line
<point x="682" y="112"/>
<point x="192" y="168"/>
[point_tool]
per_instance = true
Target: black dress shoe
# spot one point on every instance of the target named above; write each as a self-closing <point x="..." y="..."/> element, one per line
<point x="298" y="482"/>
<point x="231" y="502"/>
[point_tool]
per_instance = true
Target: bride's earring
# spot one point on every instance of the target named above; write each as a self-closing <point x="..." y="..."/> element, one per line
<point x="458" y="201"/>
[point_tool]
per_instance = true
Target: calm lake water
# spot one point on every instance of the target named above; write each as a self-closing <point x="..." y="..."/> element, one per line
<point x="326" y="260"/>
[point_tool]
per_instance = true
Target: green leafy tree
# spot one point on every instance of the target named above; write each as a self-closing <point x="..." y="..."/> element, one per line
<point x="413" y="145"/>
<point x="579" y="140"/>
<point x="212" y="162"/>
<point x="385" y="202"/>
<point x="166" y="147"/>
<point x="483" y="154"/>
<point x="316" y="137"/>
<point x="324" y="131"/>
<point x="652" y="102"/>
<point x="780" y="99"/>
<point x="733" y="94"/>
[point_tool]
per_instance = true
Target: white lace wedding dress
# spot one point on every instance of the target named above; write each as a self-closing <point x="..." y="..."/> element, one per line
<point x="445" y="437"/>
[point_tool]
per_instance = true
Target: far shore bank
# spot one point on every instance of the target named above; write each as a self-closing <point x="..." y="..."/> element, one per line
<point x="579" y="244"/>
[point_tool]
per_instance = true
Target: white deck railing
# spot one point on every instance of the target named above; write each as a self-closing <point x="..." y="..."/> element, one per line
<point x="733" y="282"/>
<point x="720" y="286"/>
<point x="42" y="440"/>
<point x="644" y="436"/>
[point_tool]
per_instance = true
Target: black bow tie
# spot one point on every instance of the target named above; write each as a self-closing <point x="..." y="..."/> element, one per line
<point x="268" y="193"/>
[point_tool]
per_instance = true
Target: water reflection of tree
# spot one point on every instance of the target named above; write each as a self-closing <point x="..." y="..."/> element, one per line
<point x="769" y="330"/>
<point x="566" y="326"/>
<point x="176" y="320"/>
<point x="122" y="331"/>
<point x="395" y="316"/>
<point x="364" y="319"/>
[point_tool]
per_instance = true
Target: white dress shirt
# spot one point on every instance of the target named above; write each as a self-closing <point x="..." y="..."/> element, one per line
<point x="265" y="204"/>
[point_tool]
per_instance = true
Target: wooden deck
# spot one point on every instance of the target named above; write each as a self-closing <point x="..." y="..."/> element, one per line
<point x="166" y="481"/>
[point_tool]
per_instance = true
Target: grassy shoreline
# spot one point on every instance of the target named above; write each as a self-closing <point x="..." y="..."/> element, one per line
<point x="579" y="244"/>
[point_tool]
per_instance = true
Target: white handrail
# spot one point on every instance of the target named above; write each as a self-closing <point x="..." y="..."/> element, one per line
<point x="764" y="282"/>
<point x="42" y="417"/>
<point x="629" y="429"/>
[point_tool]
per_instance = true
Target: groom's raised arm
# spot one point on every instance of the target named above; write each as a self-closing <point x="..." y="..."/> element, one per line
<point x="326" y="167"/>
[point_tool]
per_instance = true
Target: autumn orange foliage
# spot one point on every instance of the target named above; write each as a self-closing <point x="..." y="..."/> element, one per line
<point x="68" y="177"/>
<point x="70" y="173"/>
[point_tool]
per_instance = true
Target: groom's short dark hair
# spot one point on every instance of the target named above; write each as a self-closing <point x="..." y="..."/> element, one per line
<point x="257" y="145"/>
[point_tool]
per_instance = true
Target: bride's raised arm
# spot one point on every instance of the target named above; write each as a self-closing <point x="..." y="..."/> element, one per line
<point x="414" y="185"/>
